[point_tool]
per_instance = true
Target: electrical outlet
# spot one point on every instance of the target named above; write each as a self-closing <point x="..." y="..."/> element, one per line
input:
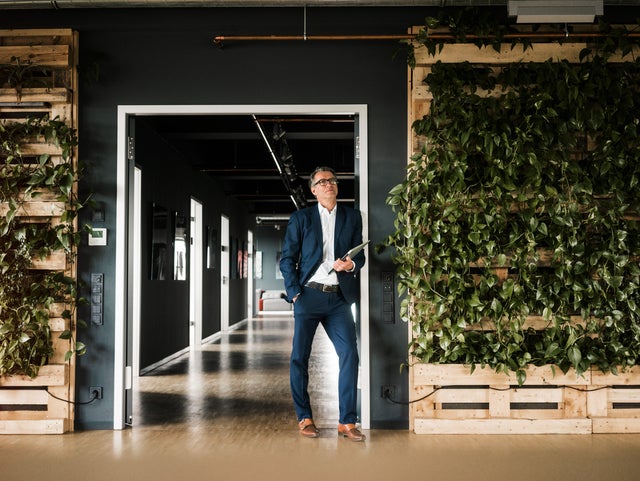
<point x="388" y="391"/>
<point x="95" y="392"/>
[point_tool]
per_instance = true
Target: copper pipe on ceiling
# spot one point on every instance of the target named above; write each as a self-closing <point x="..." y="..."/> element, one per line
<point x="218" y="40"/>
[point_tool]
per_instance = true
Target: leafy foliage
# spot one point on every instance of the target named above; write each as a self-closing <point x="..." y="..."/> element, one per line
<point x="26" y="295"/>
<point x="532" y="170"/>
<point x="21" y="74"/>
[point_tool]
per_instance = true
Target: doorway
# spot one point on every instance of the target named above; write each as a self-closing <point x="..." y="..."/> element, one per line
<point x="123" y="308"/>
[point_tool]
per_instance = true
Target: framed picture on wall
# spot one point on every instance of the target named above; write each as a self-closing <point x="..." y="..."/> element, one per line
<point x="159" y="242"/>
<point x="258" y="265"/>
<point x="240" y="260"/>
<point x="180" y="246"/>
<point x="245" y="260"/>
<point x="211" y="246"/>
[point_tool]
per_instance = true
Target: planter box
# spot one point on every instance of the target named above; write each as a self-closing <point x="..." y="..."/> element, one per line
<point x="27" y="407"/>
<point x="454" y="401"/>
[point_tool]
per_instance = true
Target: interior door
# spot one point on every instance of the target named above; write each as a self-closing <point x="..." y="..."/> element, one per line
<point x="224" y="273"/>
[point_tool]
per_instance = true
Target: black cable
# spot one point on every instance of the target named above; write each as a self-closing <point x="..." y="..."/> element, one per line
<point x="95" y="396"/>
<point x="415" y="400"/>
<point x="493" y="389"/>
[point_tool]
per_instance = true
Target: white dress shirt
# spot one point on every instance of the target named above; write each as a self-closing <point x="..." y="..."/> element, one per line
<point x="324" y="274"/>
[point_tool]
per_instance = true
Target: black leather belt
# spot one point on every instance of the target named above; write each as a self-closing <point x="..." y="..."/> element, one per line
<point x="323" y="287"/>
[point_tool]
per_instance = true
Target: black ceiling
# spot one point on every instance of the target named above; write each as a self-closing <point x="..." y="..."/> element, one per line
<point x="262" y="160"/>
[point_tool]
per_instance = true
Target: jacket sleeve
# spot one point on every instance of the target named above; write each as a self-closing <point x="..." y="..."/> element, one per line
<point x="353" y="239"/>
<point x="290" y="257"/>
<point x="359" y="258"/>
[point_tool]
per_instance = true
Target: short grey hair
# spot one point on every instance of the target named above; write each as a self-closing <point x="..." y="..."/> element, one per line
<point x="320" y="169"/>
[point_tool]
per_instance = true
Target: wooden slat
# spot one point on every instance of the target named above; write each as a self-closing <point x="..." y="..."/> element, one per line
<point x="615" y="425"/>
<point x="534" y="395"/>
<point x="624" y="395"/>
<point x="425" y="408"/>
<point x="44" y="426"/>
<point x="460" y="414"/>
<point x="58" y="324"/>
<point x="597" y="402"/>
<point x="50" y="375"/>
<point x="457" y="374"/>
<point x="630" y="376"/>
<point x="471" y="395"/>
<point x="50" y="35"/>
<point x="465" y="52"/>
<point x="499" y="403"/>
<point x="575" y="402"/>
<point x="59" y="408"/>
<point x="44" y="55"/>
<point x="503" y="426"/>
<point x="56" y="309"/>
<point x="23" y="396"/>
<point x="538" y="414"/>
<point x="39" y="149"/>
<point x="36" y="209"/>
<point x="53" y="95"/>
<point x="60" y="348"/>
<point x="57" y="261"/>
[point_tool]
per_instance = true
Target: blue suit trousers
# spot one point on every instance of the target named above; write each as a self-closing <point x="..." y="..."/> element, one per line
<point x="315" y="307"/>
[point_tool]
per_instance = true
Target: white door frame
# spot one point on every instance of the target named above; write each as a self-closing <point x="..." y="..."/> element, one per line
<point x="225" y="272"/>
<point x="249" y="260"/>
<point x="122" y="205"/>
<point x="195" y="275"/>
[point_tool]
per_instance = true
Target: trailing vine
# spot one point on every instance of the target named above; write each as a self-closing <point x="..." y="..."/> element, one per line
<point x="27" y="295"/>
<point x="531" y="171"/>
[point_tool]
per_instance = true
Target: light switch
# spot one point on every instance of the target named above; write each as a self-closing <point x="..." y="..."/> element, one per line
<point x="98" y="236"/>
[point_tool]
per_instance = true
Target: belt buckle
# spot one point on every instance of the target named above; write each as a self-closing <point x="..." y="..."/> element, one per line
<point x="326" y="288"/>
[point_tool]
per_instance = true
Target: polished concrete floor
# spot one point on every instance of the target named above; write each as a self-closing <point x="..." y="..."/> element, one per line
<point x="224" y="413"/>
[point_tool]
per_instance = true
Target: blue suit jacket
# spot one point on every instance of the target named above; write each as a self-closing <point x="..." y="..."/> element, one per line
<point x="302" y="251"/>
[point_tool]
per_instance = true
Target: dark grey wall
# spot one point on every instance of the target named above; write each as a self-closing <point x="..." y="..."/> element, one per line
<point x="159" y="56"/>
<point x="269" y="241"/>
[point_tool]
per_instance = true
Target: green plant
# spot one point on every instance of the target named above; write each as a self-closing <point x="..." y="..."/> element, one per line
<point x="26" y="295"/>
<point x="538" y="178"/>
<point x="19" y="75"/>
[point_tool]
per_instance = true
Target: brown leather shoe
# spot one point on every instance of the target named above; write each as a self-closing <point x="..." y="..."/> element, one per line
<point x="350" y="432"/>
<point x="308" y="428"/>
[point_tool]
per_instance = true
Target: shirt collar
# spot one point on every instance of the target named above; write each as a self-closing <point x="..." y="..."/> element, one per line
<point x="323" y="210"/>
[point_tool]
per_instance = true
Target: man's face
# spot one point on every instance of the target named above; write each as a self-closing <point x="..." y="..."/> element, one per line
<point x="326" y="192"/>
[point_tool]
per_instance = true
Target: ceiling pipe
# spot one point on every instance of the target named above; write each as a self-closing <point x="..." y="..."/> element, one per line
<point x="219" y="39"/>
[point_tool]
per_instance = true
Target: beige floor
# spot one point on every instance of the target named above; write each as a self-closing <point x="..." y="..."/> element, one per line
<point x="225" y="414"/>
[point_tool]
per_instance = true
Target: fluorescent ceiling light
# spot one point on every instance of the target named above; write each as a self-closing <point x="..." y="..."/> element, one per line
<point x="552" y="11"/>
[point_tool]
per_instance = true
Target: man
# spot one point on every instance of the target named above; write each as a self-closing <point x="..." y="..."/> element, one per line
<point x="322" y="287"/>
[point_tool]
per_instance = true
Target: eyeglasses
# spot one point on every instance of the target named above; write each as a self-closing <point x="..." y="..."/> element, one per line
<point x="325" y="182"/>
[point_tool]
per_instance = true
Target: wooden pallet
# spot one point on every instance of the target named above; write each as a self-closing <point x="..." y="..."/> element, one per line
<point x="43" y="405"/>
<point x="452" y="400"/>
<point x="40" y="405"/>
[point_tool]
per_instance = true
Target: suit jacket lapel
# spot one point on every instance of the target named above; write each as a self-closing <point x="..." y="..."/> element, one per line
<point x="340" y="222"/>
<point x="317" y="224"/>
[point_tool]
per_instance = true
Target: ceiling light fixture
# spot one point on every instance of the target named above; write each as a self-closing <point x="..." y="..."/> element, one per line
<point x="555" y="11"/>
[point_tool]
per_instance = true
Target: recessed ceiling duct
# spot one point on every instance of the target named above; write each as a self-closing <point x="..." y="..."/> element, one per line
<point x="555" y="11"/>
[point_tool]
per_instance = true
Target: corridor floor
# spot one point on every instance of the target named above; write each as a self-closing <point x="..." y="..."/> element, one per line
<point x="224" y="413"/>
